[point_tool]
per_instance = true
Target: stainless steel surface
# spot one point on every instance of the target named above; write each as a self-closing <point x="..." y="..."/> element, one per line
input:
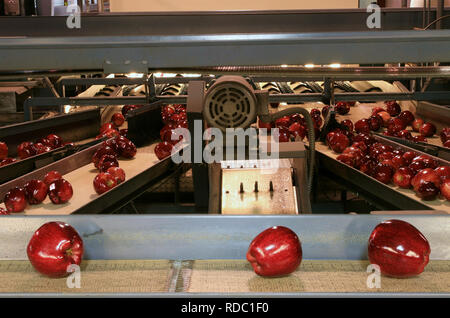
<point x="256" y="196"/>
<point x="181" y="237"/>
<point x="159" y="23"/>
<point x="140" y="53"/>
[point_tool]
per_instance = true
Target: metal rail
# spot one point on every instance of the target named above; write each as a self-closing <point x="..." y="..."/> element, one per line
<point x="118" y="54"/>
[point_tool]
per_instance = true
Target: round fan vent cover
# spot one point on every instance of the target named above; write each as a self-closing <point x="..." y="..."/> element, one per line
<point x="230" y="103"/>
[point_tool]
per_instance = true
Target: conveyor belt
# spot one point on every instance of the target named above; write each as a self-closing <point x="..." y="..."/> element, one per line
<point x="82" y="179"/>
<point x="312" y="277"/>
<point x="219" y="276"/>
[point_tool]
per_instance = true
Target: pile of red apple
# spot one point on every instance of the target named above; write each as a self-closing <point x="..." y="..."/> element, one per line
<point x="396" y="122"/>
<point x="29" y="149"/>
<point x="386" y="164"/>
<point x="173" y="117"/>
<point x="35" y="192"/>
<point x="106" y="160"/>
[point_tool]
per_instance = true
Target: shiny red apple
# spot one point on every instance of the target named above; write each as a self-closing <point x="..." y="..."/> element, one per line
<point x="427" y="130"/>
<point x="443" y="172"/>
<point x="15" y="200"/>
<point x="106" y="162"/>
<point x="385" y="117"/>
<point x="444" y="135"/>
<point x="54" y="141"/>
<point x="427" y="190"/>
<point x="125" y="147"/>
<point x="393" y="108"/>
<point x="7" y="161"/>
<point x="402" y="177"/>
<point x="118" y="119"/>
<point x="399" y="248"/>
<point x="117" y="173"/>
<point x="416" y="124"/>
<point x="35" y="191"/>
<point x="103" y="150"/>
<point x="383" y="172"/>
<point x="53" y="248"/>
<point x="51" y="177"/>
<point x="362" y="126"/>
<point x="407" y="116"/>
<point x="276" y="251"/>
<point x="342" y="108"/>
<point x="3" y="150"/>
<point x="25" y="150"/>
<point x="445" y="189"/>
<point x="163" y="150"/>
<point x="426" y="174"/>
<point x="104" y="182"/>
<point x="60" y="191"/>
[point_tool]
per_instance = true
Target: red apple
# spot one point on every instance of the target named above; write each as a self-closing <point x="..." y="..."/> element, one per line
<point x="125" y="147"/>
<point x="3" y="151"/>
<point x="106" y="162"/>
<point x="399" y="249"/>
<point x="427" y="190"/>
<point x="60" y="191"/>
<point x="315" y="112"/>
<point x="362" y="126"/>
<point x="342" y="108"/>
<point x="35" y="191"/>
<point x="403" y="177"/>
<point x="54" y="141"/>
<point x="123" y="132"/>
<point x="283" y="122"/>
<point x="447" y="144"/>
<point x="297" y="130"/>
<point x="417" y="123"/>
<point x="107" y="126"/>
<point x="104" y="150"/>
<point x="53" y="248"/>
<point x="445" y="135"/>
<point x="51" y="177"/>
<point x="117" y="173"/>
<point x="347" y="124"/>
<point x="377" y="110"/>
<point x="118" y="119"/>
<point x="383" y="172"/>
<point x="419" y="138"/>
<point x="398" y="162"/>
<point x="385" y="117"/>
<point x="26" y="150"/>
<point x="104" y="182"/>
<point x="276" y="251"/>
<point x="15" y="200"/>
<point x="404" y="134"/>
<point x="445" y="189"/>
<point x="163" y="150"/>
<point x="408" y="157"/>
<point x="338" y="141"/>
<point x="41" y="148"/>
<point x="127" y="108"/>
<point x="407" y="117"/>
<point x="427" y="174"/>
<point x="7" y="161"/>
<point x="443" y="172"/>
<point x="393" y="108"/>
<point x="427" y="130"/>
<point x="375" y="122"/>
<point x="347" y="158"/>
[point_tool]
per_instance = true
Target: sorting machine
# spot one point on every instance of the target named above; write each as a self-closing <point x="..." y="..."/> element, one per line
<point x="248" y="66"/>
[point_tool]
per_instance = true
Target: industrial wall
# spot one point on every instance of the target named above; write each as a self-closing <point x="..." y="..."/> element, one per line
<point x="206" y="5"/>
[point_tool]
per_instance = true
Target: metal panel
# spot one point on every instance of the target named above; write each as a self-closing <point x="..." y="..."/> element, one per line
<point x="182" y="237"/>
<point x="133" y="53"/>
<point x="169" y="23"/>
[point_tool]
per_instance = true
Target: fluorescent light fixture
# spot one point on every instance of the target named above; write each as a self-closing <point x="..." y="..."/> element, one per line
<point x="309" y="65"/>
<point x="335" y="65"/>
<point x="135" y="75"/>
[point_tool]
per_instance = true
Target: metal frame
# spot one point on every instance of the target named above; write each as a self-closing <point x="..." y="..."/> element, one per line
<point x="181" y="237"/>
<point x="118" y="54"/>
